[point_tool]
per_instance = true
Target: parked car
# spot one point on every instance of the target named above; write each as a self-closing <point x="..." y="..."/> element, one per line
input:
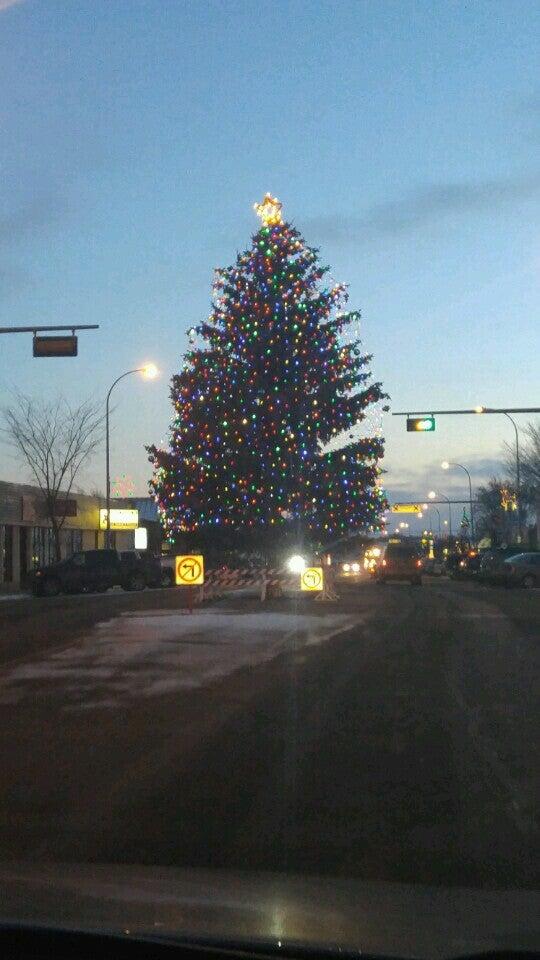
<point x="151" y="565"/>
<point x="467" y="566"/>
<point x="91" y="571"/>
<point x="167" y="565"/>
<point x="523" y="570"/>
<point x="401" y="561"/>
<point x="492" y="569"/>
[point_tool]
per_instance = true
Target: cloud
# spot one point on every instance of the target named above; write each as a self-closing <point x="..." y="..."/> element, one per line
<point x="428" y="205"/>
<point x="409" y="484"/>
<point x="4" y="4"/>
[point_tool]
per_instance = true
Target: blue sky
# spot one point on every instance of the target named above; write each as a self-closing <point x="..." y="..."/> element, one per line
<point x="403" y="139"/>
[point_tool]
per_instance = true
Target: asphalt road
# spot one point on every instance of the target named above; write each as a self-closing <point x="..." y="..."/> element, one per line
<point x="391" y="736"/>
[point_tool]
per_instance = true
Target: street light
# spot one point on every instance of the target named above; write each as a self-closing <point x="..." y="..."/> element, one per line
<point x="446" y="464"/>
<point x="437" y="511"/>
<point x="448" y="522"/>
<point x="149" y="371"/>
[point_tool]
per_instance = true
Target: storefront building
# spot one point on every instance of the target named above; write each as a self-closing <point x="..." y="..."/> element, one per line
<point x="26" y="536"/>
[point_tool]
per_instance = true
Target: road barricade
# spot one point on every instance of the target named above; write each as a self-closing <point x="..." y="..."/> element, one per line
<point x="266" y="582"/>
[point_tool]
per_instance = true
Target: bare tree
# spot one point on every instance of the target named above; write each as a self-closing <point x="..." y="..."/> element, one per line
<point x="495" y="512"/>
<point x="530" y="465"/>
<point x="54" y="439"/>
<point x="530" y="462"/>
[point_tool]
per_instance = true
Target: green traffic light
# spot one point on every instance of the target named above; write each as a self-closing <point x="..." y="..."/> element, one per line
<point x="420" y="424"/>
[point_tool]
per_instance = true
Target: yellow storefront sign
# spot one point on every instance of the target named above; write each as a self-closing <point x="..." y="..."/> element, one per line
<point x="189" y="570"/>
<point x="311" y="578"/>
<point x="120" y="519"/>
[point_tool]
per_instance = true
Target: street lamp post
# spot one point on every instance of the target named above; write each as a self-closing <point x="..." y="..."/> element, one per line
<point x="437" y="511"/>
<point x="149" y="370"/>
<point x="432" y="496"/>
<point x="446" y="464"/>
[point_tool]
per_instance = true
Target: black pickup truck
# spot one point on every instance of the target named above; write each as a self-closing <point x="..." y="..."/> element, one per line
<point x="95" y="571"/>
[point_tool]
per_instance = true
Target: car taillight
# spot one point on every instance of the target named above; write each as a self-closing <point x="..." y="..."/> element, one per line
<point x="418" y="563"/>
<point x="383" y="563"/>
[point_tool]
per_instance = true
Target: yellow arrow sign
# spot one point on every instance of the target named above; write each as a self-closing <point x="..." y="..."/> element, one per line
<point x="312" y="579"/>
<point x="406" y="508"/>
<point x="189" y="570"/>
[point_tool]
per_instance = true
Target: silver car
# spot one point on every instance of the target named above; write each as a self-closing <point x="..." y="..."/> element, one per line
<point x="523" y="570"/>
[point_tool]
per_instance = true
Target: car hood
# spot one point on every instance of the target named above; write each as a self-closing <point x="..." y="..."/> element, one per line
<point x="368" y="916"/>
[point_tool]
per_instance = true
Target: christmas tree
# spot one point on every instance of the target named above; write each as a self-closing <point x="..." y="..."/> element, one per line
<point x="263" y="443"/>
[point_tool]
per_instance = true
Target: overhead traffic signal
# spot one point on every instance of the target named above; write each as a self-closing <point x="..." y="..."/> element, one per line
<point x="420" y="424"/>
<point x="55" y="346"/>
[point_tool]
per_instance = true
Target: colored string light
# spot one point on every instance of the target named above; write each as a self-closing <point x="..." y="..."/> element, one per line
<point x="268" y="411"/>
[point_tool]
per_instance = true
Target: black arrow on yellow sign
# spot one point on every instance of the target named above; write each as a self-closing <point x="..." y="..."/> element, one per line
<point x="190" y="569"/>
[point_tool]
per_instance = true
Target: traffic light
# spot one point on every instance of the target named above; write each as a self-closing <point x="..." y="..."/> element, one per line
<point x="420" y="424"/>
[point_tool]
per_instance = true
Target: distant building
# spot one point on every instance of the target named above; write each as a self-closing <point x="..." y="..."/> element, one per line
<point x="26" y="536"/>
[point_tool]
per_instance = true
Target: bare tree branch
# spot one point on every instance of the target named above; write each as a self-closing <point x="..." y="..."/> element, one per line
<point x="54" y="439"/>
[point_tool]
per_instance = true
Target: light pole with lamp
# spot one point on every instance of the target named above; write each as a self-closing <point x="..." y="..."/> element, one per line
<point x="437" y="511"/>
<point x="432" y="494"/>
<point x="149" y="371"/>
<point x="446" y="464"/>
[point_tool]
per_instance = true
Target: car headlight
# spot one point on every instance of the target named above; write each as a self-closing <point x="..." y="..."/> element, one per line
<point x="346" y="567"/>
<point x="355" y="567"/>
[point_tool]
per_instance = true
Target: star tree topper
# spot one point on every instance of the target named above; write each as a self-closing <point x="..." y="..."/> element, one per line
<point x="269" y="210"/>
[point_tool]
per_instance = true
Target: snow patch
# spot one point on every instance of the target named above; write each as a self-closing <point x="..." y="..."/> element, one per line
<point x="157" y="653"/>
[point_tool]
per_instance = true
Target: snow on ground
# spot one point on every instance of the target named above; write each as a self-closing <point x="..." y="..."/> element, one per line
<point x="145" y="654"/>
